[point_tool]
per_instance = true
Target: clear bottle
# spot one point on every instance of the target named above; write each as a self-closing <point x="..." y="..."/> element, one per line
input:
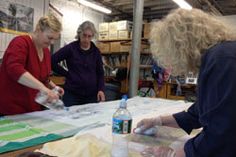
<point x="41" y="98"/>
<point x="121" y="126"/>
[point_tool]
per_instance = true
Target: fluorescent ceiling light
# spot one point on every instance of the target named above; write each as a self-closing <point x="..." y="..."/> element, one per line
<point x="183" y="4"/>
<point x="94" y="6"/>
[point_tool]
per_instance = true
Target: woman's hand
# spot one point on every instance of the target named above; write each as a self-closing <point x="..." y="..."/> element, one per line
<point x="51" y="95"/>
<point x="100" y="96"/>
<point x="148" y="123"/>
<point x="60" y="91"/>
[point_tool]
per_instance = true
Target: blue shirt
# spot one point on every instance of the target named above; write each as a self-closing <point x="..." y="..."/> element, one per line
<point x="85" y="75"/>
<point x="215" y="109"/>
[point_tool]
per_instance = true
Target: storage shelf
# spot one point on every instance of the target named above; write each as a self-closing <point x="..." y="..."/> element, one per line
<point x="111" y="40"/>
<point x="145" y="66"/>
<point x="116" y="53"/>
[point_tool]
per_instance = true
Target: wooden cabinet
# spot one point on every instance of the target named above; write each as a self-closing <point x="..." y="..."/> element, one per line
<point x="161" y="92"/>
<point x="58" y="80"/>
<point x="187" y="89"/>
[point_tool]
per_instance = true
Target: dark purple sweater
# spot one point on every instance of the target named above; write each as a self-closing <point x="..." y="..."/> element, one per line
<point x="85" y="75"/>
<point x="215" y="110"/>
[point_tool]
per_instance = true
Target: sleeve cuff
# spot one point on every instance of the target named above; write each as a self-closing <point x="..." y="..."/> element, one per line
<point x="182" y="120"/>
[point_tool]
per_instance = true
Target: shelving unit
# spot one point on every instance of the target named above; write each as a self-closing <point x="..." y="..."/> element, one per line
<point x="116" y="54"/>
<point x="115" y="42"/>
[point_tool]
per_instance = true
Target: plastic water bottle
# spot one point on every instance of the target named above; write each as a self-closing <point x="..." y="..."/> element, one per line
<point x="41" y="98"/>
<point x="121" y="126"/>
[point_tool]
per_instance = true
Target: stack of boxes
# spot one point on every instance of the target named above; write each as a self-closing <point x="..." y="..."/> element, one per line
<point x="119" y="30"/>
<point x="103" y="31"/>
<point x="111" y="35"/>
<point x="147" y="29"/>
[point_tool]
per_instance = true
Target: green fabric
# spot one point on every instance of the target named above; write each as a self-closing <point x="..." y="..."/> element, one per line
<point x="25" y="132"/>
<point x="5" y="121"/>
<point x="20" y="135"/>
<point x="12" y="127"/>
<point x="36" y="141"/>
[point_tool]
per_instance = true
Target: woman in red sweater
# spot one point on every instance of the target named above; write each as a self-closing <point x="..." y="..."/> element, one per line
<point x="26" y="67"/>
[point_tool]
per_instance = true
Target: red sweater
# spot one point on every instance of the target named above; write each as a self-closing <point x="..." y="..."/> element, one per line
<point x="21" y="56"/>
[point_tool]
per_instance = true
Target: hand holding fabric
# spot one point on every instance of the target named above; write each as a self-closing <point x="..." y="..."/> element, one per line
<point x="149" y="123"/>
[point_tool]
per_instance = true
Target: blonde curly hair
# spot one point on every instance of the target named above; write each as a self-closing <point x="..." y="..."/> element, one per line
<point x="179" y="40"/>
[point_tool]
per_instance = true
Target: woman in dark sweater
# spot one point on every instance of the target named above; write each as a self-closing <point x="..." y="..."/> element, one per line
<point x="191" y="40"/>
<point x="84" y="74"/>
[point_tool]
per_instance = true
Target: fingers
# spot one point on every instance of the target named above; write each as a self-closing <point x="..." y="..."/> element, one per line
<point x="46" y="96"/>
<point x="145" y="124"/>
<point x="52" y="97"/>
<point x="60" y="91"/>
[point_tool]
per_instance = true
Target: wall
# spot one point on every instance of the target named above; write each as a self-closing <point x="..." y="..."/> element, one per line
<point x="230" y="20"/>
<point x="40" y="9"/>
<point x="73" y="15"/>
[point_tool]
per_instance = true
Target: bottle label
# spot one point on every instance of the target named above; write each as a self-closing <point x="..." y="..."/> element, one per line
<point x="121" y="126"/>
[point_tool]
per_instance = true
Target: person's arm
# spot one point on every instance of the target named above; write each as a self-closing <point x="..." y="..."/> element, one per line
<point x="100" y="75"/>
<point x="52" y="85"/>
<point x="148" y="123"/>
<point x="169" y="120"/>
<point x="218" y="113"/>
<point x="60" y="55"/>
<point x="30" y="81"/>
<point x="188" y="120"/>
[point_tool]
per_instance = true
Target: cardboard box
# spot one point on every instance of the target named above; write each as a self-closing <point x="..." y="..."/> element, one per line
<point x="103" y="27"/>
<point x="113" y="35"/>
<point x="103" y="35"/>
<point x="115" y="46"/>
<point x="113" y="26"/>
<point x="124" y="35"/>
<point x="120" y="47"/>
<point x="124" y="25"/>
<point x="104" y="47"/>
<point x="147" y="30"/>
<point x="125" y="48"/>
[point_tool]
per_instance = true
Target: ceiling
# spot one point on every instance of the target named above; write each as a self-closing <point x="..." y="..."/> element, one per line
<point x="156" y="9"/>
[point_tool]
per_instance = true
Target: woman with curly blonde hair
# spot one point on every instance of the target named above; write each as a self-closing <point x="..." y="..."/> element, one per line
<point x="191" y="40"/>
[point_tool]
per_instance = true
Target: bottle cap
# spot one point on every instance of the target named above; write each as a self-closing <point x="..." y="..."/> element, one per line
<point x="125" y="97"/>
<point x="123" y="103"/>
